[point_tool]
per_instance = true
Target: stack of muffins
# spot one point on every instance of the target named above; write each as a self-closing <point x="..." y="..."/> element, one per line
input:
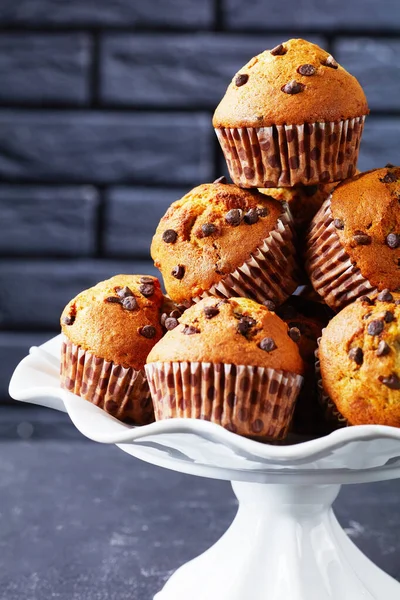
<point x="230" y="343"/>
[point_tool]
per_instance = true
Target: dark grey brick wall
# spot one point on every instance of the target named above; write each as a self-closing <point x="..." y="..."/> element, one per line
<point x="105" y="119"/>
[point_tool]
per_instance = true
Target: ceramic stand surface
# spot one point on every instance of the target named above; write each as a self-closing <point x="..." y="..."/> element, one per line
<point x="285" y="542"/>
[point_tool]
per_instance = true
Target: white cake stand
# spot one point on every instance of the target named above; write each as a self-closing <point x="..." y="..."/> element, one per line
<point x="285" y="542"/>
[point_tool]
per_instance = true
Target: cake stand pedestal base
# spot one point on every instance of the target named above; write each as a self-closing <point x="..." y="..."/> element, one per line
<point x="285" y="543"/>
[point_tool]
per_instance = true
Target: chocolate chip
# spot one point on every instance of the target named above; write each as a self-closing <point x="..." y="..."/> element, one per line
<point x="130" y="303"/>
<point x="383" y="349"/>
<point x="389" y="166"/>
<point x="208" y="229"/>
<point x="307" y="70"/>
<point x="176" y="313"/>
<point x="113" y="299"/>
<point x="367" y="300"/>
<point x="147" y="289"/>
<point x="221" y="180"/>
<point x="251" y="216"/>
<point x="267" y="344"/>
<point x="294" y="333"/>
<point x="69" y="320"/>
<point x="262" y="211"/>
<point x="164" y="317"/>
<point x="293" y="87"/>
<point x="148" y="331"/>
<point x="169" y="236"/>
<point x="241" y="79"/>
<point x="331" y="62"/>
<point x="171" y="323"/>
<point x="245" y="324"/>
<point x="389" y="316"/>
<point x="357" y="355"/>
<point x="392" y="381"/>
<point x="210" y="312"/>
<point x="338" y="223"/>
<point x="361" y="238"/>
<point x="124" y="292"/>
<point x="375" y="327"/>
<point x="178" y="272"/>
<point x="147" y="279"/>
<point x="385" y="296"/>
<point x="388" y="178"/>
<point x="234" y="217"/>
<point x="393" y="240"/>
<point x="270" y="305"/>
<point x="310" y="190"/>
<point x="279" y="50"/>
<point x="190" y="330"/>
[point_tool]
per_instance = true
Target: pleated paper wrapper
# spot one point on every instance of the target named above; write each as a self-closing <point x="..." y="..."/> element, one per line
<point x="329" y="267"/>
<point x="332" y="415"/>
<point x="122" y="392"/>
<point x="251" y="401"/>
<point x="289" y="155"/>
<point x="271" y="272"/>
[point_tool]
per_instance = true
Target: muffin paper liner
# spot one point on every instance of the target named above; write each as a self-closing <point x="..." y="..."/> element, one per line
<point x="288" y="155"/>
<point x="250" y="401"/>
<point x="329" y="267"/>
<point x="271" y="272"/>
<point x="122" y="392"/>
<point x="331" y="413"/>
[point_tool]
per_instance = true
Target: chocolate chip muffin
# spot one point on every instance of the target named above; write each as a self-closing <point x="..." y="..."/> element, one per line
<point x="232" y="362"/>
<point x="291" y="116"/>
<point x="305" y="320"/>
<point x="224" y="241"/>
<point x="108" y="331"/>
<point x="353" y="246"/>
<point x="359" y="360"/>
<point x="304" y="201"/>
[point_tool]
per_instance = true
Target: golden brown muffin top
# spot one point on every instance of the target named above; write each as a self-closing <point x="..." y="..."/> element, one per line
<point x="296" y="82"/>
<point x="117" y="319"/>
<point x="360" y="360"/>
<point x="304" y="201"/>
<point x="235" y="331"/>
<point x="366" y="213"/>
<point x="208" y="234"/>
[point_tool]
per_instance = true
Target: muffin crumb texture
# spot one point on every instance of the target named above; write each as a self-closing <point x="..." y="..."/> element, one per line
<point x="296" y="82"/>
<point x="360" y="360"/>
<point x="118" y="320"/>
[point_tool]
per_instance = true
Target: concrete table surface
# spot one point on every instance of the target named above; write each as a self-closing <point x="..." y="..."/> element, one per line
<point x="83" y="521"/>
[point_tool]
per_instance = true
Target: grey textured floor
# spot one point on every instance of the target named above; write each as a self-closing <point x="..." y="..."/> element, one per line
<point x="81" y="521"/>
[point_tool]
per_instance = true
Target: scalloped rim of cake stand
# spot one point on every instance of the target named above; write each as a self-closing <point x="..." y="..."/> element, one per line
<point x="36" y="380"/>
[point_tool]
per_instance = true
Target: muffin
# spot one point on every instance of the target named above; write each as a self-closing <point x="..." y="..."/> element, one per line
<point x="108" y="331"/>
<point x="353" y="246"/>
<point x="304" y="201"/>
<point x="291" y="116"/>
<point x="231" y="362"/>
<point x="221" y="240"/>
<point x="306" y="320"/>
<point x="360" y="360"/>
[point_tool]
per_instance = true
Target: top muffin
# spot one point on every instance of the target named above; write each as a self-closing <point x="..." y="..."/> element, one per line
<point x="296" y="82"/>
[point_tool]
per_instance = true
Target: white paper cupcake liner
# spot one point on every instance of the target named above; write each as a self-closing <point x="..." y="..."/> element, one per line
<point x="328" y="265"/>
<point x="122" y="392"/>
<point x="250" y="401"/>
<point x="289" y="155"/>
